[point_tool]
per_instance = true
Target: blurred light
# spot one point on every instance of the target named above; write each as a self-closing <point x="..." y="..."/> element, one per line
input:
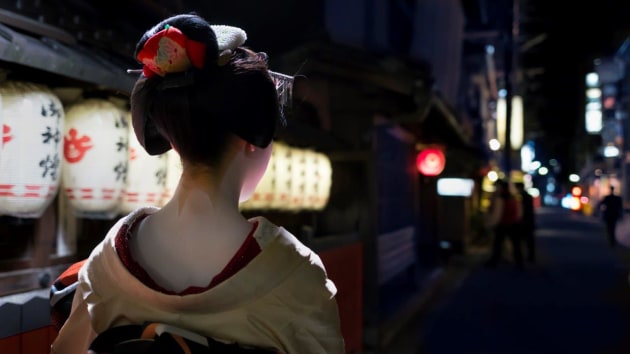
<point x="550" y="199"/>
<point x="594" y="106"/>
<point x="534" y="192"/>
<point x="527" y="157"/>
<point x="576" y="204"/>
<point x="493" y="176"/>
<point x="593" y="93"/>
<point x="490" y="50"/>
<point x="566" y="201"/>
<point x="534" y="165"/>
<point x="571" y="202"/>
<point x="593" y="121"/>
<point x="551" y="187"/>
<point x="543" y="171"/>
<point x="553" y="162"/>
<point x="584" y="199"/>
<point x="592" y="79"/>
<point x="494" y="144"/>
<point x="598" y="172"/>
<point x="609" y="102"/>
<point x="576" y="191"/>
<point x="501" y="124"/>
<point x="574" y="178"/>
<point x="611" y="151"/>
<point x="502" y="93"/>
<point x="457" y="187"/>
<point x="430" y="161"/>
<point x="516" y="125"/>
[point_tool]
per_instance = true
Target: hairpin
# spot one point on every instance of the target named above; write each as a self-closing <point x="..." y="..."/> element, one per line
<point x="284" y="87"/>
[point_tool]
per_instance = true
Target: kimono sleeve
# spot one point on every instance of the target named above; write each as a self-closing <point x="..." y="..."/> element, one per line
<point x="76" y="334"/>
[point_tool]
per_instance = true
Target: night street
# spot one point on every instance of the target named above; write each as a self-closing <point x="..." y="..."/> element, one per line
<point x="576" y="299"/>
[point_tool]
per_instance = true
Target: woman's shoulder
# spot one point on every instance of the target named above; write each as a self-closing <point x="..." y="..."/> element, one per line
<point x="283" y="244"/>
<point x="267" y="233"/>
<point x="116" y="238"/>
<point x="120" y="229"/>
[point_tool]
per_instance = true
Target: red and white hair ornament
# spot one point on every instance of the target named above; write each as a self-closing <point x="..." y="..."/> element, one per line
<point x="170" y="51"/>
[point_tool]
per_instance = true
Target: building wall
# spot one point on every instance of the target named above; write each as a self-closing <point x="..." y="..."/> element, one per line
<point x="427" y="30"/>
<point x="437" y="38"/>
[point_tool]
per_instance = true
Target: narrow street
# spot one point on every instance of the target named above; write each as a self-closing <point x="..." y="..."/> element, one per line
<point x="575" y="299"/>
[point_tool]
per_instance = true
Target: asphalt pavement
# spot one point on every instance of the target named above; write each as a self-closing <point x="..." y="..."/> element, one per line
<point x="574" y="299"/>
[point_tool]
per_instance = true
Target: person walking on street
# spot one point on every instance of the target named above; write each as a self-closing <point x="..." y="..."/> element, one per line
<point x="504" y="219"/>
<point x="611" y="208"/>
<point x="528" y="222"/>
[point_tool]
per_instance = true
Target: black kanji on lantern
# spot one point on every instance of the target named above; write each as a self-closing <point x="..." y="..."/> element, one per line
<point x="160" y="176"/>
<point x="50" y="166"/>
<point x="51" y="110"/>
<point x="122" y="144"/>
<point x="121" y="122"/>
<point x="50" y="135"/>
<point x="121" y="171"/>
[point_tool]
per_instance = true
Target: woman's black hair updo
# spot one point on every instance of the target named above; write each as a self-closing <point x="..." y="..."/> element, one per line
<point x="197" y="110"/>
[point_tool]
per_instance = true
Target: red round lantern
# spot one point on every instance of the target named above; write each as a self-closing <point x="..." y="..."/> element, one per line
<point x="430" y="162"/>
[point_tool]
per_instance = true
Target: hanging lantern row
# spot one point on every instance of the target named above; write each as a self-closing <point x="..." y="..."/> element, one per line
<point x="106" y="170"/>
<point x="88" y="152"/>
<point x="295" y="179"/>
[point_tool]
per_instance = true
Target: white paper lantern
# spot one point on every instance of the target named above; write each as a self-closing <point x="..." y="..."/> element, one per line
<point x="295" y="179"/>
<point x="146" y="176"/>
<point x="298" y="179"/>
<point x="5" y="130"/>
<point x="32" y="122"/>
<point x="323" y="181"/>
<point x="310" y="179"/>
<point x="173" y="174"/>
<point x="96" y="153"/>
<point x="282" y="171"/>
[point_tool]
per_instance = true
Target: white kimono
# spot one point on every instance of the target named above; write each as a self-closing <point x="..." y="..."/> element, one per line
<point x="281" y="299"/>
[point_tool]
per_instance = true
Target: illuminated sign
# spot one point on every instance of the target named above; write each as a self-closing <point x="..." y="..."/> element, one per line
<point x="430" y="162"/>
<point x="456" y="187"/>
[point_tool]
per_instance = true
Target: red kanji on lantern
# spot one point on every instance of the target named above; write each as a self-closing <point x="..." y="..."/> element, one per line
<point x="75" y="147"/>
<point x="6" y="134"/>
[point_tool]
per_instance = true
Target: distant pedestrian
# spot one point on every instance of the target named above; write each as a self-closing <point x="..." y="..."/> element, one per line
<point x="504" y="218"/>
<point x="528" y="222"/>
<point x="611" y="208"/>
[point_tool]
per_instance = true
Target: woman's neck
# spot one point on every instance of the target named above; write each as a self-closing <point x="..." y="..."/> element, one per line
<point x="196" y="233"/>
<point x="205" y="197"/>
